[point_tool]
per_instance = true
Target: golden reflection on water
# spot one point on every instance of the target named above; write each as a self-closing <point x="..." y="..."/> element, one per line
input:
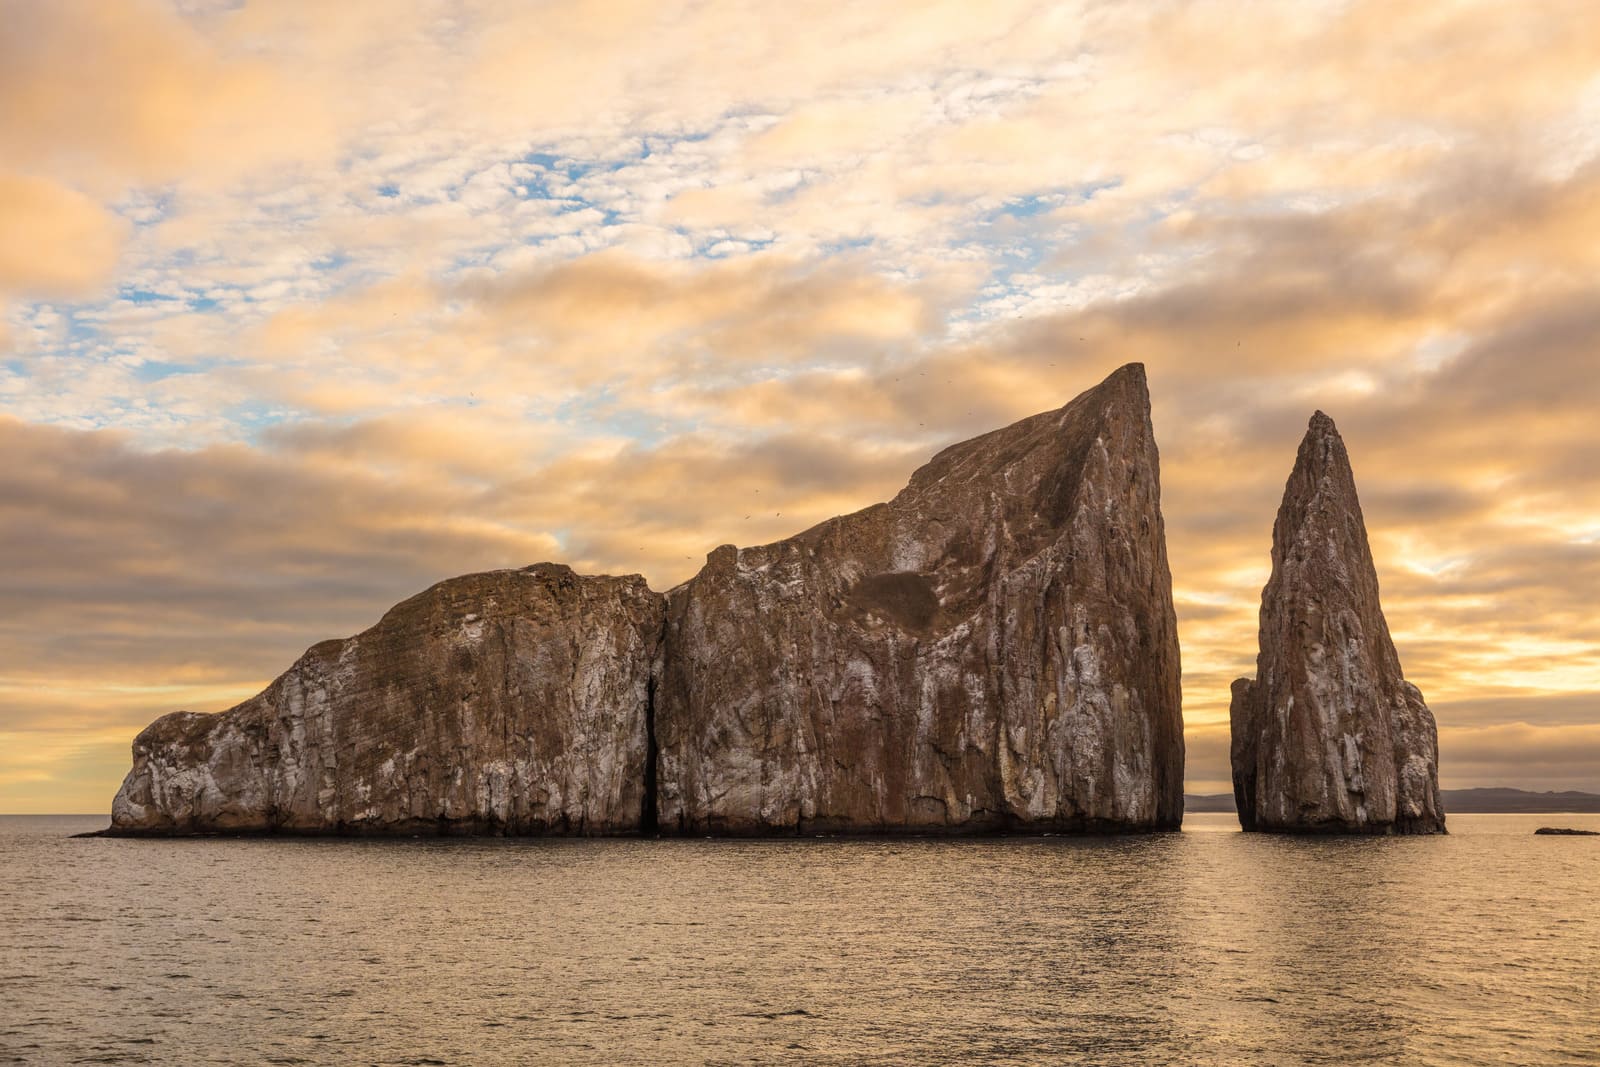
<point x="1206" y="947"/>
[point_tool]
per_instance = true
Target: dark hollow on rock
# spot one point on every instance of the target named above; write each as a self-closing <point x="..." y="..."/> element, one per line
<point x="993" y="650"/>
<point x="1329" y="737"/>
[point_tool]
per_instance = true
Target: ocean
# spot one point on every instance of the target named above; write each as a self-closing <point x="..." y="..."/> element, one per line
<point x="1203" y="947"/>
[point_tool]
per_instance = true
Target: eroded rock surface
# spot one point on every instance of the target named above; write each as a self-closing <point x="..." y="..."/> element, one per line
<point x="514" y="701"/>
<point x="995" y="648"/>
<point x="1329" y="737"/>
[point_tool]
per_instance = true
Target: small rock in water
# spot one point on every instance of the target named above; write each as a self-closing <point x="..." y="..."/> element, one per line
<point x="1561" y="831"/>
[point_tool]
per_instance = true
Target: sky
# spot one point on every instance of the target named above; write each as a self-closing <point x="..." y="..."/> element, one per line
<point x="305" y="306"/>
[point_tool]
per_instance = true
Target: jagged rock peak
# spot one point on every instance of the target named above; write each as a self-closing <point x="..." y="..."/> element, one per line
<point x="1329" y="737"/>
<point x="993" y="649"/>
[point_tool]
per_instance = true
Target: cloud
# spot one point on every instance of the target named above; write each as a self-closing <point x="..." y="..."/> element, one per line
<point x="54" y="241"/>
<point x="308" y="305"/>
<point x="761" y="308"/>
<point x="151" y="96"/>
<point x="1557" y="757"/>
<point x="607" y="330"/>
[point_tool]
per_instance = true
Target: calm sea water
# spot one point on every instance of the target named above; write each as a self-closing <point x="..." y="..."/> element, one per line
<point x="1205" y="947"/>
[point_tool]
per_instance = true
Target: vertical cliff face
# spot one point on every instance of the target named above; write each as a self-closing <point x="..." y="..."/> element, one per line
<point x="512" y="701"/>
<point x="1329" y="737"/>
<point x="995" y="648"/>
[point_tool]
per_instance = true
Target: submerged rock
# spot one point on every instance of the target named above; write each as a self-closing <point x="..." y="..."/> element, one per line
<point x="1329" y="737"/>
<point x="1562" y="831"/>
<point x="512" y="701"/>
<point x="993" y="649"/>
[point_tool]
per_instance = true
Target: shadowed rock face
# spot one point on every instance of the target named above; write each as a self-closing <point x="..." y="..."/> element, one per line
<point x="512" y="701"/>
<point x="1329" y="737"/>
<point x="995" y="648"/>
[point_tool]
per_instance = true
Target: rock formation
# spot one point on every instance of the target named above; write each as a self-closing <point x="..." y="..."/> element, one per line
<point x="1329" y="737"/>
<point x="994" y="649"/>
<point x="512" y="702"/>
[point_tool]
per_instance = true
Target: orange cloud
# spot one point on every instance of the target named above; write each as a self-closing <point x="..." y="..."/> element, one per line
<point x="150" y="97"/>
<point x="427" y="287"/>
<point x="54" y="241"/>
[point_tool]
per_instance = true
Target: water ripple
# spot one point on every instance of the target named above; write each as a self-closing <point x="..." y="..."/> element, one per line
<point x="1204" y="947"/>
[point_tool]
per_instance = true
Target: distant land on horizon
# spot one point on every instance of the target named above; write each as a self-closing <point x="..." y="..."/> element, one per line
<point x="1492" y="800"/>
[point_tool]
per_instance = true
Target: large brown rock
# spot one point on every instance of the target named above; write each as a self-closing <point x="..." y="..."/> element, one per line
<point x="512" y="702"/>
<point x="1329" y="737"/>
<point x="993" y="649"/>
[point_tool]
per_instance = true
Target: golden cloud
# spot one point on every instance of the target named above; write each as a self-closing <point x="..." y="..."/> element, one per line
<point x="54" y="241"/>
<point x="150" y="98"/>
<point x="930" y="222"/>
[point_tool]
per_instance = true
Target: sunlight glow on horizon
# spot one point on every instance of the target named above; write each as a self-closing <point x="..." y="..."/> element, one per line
<point x="306" y="307"/>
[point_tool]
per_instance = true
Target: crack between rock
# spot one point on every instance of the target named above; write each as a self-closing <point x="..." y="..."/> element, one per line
<point x="649" y="814"/>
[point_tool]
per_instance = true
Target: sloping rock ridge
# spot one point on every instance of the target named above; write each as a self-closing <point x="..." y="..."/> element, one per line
<point x="993" y="650"/>
<point x="1329" y="737"/>
<point x="508" y="702"/>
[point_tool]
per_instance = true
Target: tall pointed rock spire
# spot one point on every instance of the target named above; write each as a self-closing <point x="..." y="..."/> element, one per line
<point x="1329" y="737"/>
